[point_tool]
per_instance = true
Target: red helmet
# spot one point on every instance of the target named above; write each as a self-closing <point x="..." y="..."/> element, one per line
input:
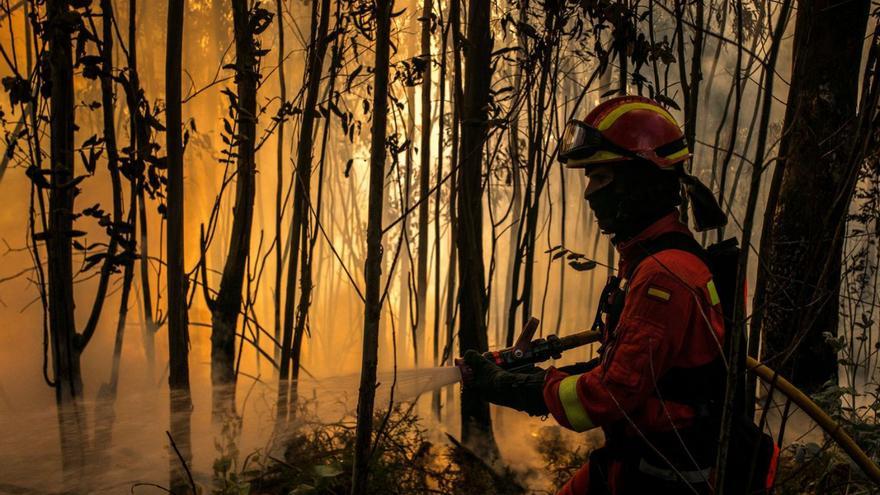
<point x="621" y="129"/>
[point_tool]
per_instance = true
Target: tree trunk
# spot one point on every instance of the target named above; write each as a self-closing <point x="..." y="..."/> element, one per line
<point x="798" y="283"/>
<point x="372" y="274"/>
<point x="435" y="395"/>
<point x="733" y="340"/>
<point x="178" y="333"/>
<point x="424" y="183"/>
<point x="139" y="138"/>
<point x="105" y="407"/>
<point x="227" y="306"/>
<point x="516" y="198"/>
<point x="404" y="277"/>
<point x="455" y="145"/>
<point x="476" y="423"/>
<point x="279" y="183"/>
<point x="62" y="327"/>
<point x="291" y="346"/>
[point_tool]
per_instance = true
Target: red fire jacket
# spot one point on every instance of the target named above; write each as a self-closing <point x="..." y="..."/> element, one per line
<point x="671" y="318"/>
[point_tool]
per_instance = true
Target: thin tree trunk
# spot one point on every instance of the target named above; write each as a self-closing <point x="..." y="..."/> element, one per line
<point x="293" y="337"/>
<point x="512" y="279"/>
<point x="279" y="183"/>
<point x="138" y="141"/>
<point x="372" y="274"/>
<point x="476" y="422"/>
<point x="178" y="334"/>
<point x="227" y="306"/>
<point x="435" y="395"/>
<point x="537" y="174"/>
<point x="451" y="289"/>
<point x="424" y="178"/>
<point x="104" y="409"/>
<point x="736" y="90"/>
<point x="405" y="272"/>
<point x="735" y="357"/>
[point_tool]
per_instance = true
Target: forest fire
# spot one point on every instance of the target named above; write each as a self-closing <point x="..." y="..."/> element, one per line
<point x="288" y="247"/>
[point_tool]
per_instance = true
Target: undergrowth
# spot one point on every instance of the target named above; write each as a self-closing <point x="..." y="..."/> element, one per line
<point x="316" y="459"/>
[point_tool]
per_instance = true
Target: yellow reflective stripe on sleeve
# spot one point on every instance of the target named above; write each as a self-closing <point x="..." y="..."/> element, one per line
<point x="713" y="293"/>
<point x="574" y="411"/>
<point x="659" y="293"/>
<point x="612" y="117"/>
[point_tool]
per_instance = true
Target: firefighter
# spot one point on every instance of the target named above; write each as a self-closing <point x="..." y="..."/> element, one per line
<point x="656" y="387"/>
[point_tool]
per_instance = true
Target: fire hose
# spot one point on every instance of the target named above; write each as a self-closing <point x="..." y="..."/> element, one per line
<point x="527" y="352"/>
<point x="831" y="427"/>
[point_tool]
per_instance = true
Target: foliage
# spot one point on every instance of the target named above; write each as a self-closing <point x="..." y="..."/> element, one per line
<point x="809" y="469"/>
<point x="317" y="459"/>
<point x="577" y="261"/>
<point x="229" y="477"/>
<point x="562" y="460"/>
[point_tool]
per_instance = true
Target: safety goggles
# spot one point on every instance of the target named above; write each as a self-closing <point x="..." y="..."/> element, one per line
<point x="581" y="141"/>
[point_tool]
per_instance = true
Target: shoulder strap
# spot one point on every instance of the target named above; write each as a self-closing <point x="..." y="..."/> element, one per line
<point x="663" y="242"/>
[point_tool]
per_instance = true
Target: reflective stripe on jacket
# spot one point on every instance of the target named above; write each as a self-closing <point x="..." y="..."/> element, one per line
<point x="671" y="318"/>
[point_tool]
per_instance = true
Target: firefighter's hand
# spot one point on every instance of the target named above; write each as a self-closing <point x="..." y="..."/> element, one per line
<point x="520" y="391"/>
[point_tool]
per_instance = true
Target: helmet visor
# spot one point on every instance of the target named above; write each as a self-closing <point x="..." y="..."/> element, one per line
<point x="579" y="141"/>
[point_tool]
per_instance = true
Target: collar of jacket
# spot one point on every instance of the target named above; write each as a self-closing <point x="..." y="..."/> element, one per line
<point x="630" y="249"/>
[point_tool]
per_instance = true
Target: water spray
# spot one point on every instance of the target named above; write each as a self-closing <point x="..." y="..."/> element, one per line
<point x="527" y="352"/>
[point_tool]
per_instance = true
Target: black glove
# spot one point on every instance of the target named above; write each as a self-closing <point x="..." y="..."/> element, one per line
<point x="520" y="391"/>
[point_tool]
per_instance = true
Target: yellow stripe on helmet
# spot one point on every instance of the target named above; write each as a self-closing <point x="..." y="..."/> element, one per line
<point x="615" y="114"/>
<point x="574" y="411"/>
<point x="598" y="157"/>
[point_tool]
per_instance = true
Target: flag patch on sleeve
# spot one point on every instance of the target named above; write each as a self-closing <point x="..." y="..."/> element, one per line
<point x="658" y="293"/>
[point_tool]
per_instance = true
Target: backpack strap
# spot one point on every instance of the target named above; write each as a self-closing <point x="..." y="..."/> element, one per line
<point x="663" y="242"/>
<point x="613" y="294"/>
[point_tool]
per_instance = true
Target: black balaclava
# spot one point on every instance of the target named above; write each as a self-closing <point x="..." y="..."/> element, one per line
<point x="639" y="195"/>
